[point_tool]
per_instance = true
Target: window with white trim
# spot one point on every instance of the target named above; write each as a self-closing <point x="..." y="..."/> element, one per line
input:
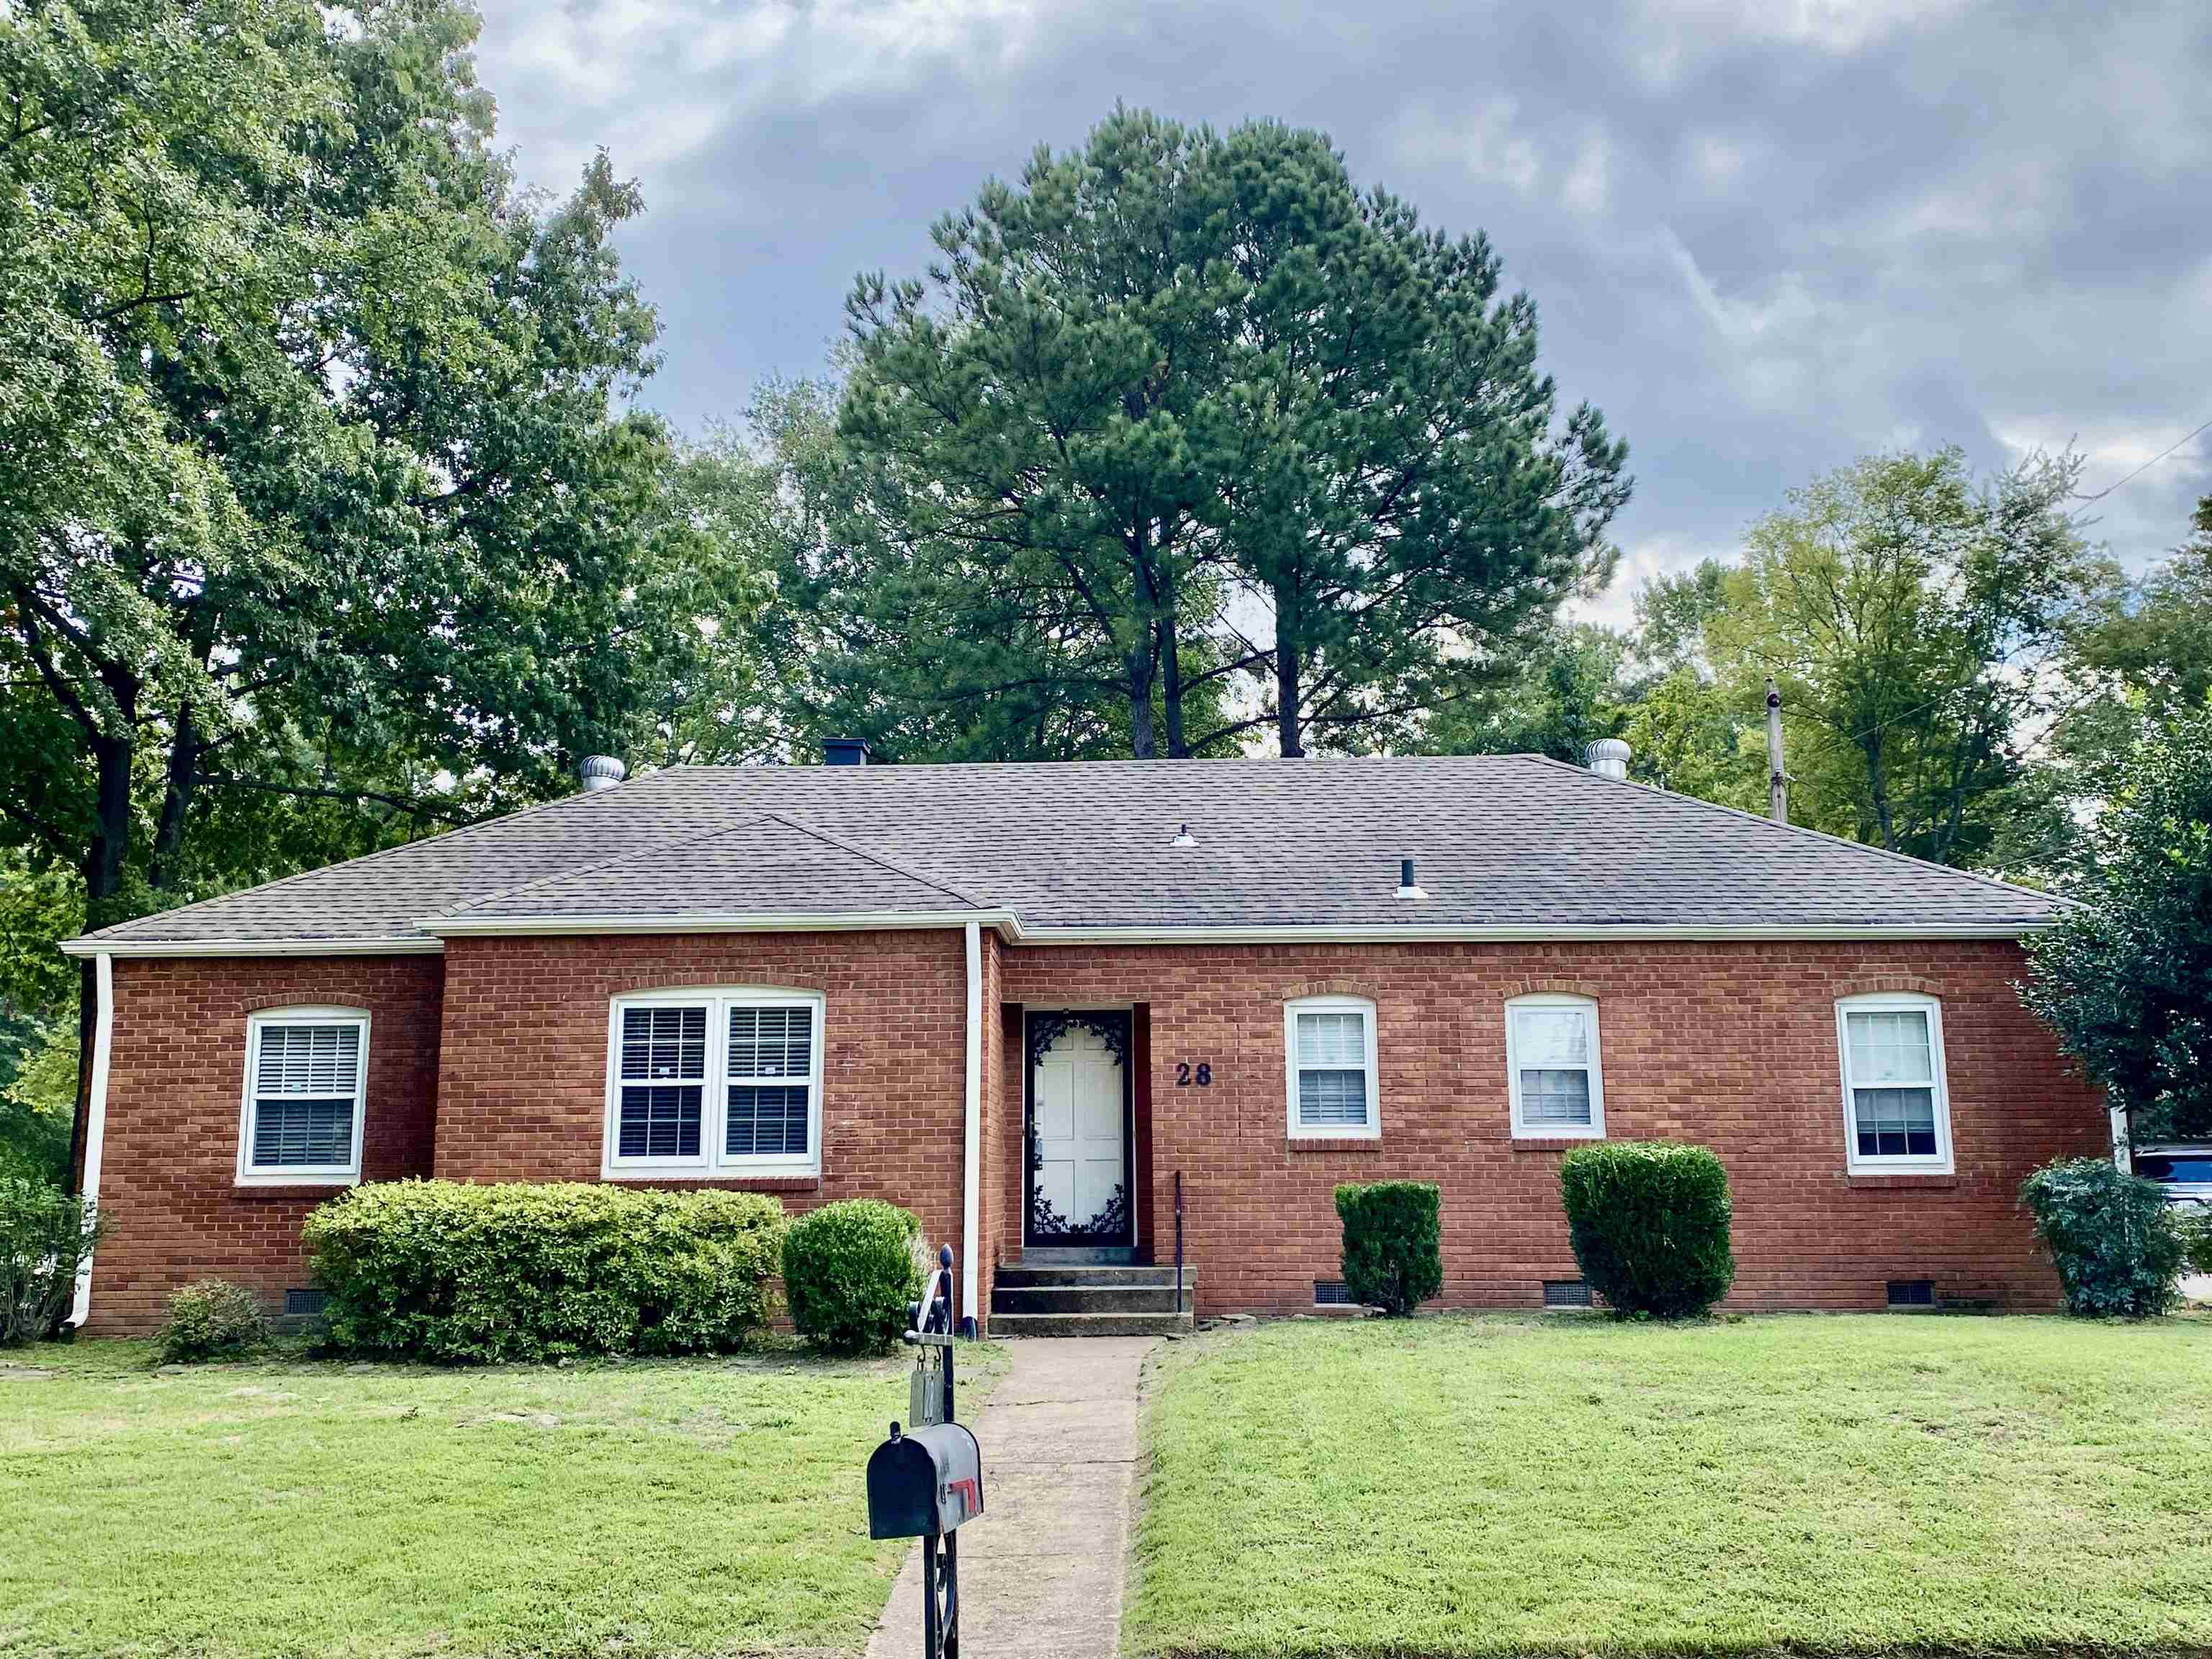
<point x="1553" y="1076"/>
<point x="306" y="1081"/>
<point x="1329" y="1044"/>
<point x="1896" y="1107"/>
<point x="721" y="1082"/>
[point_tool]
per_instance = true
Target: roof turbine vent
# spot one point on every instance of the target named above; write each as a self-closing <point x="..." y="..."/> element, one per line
<point x="1608" y="759"/>
<point x="1407" y="887"/>
<point x="600" y="772"/>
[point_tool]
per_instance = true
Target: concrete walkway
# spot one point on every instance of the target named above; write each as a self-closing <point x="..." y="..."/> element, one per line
<point x="1042" y="1571"/>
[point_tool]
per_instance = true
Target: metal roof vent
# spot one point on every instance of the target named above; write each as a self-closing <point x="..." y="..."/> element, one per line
<point x="1407" y="887"/>
<point x="1608" y="759"/>
<point x="844" y="751"/>
<point x="1183" y="837"/>
<point x="601" y="772"/>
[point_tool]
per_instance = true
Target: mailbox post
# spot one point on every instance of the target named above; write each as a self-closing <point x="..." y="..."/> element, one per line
<point x="929" y="1482"/>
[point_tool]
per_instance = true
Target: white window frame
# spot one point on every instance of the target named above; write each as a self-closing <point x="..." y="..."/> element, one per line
<point x="714" y="1163"/>
<point x="300" y="1175"/>
<point x="1373" y="1130"/>
<point x="1595" y="1129"/>
<point x="1895" y="1002"/>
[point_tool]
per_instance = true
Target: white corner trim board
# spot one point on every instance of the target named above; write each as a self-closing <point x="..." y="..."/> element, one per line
<point x="95" y="1127"/>
<point x="971" y="1191"/>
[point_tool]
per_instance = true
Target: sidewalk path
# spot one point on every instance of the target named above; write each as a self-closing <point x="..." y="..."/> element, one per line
<point x="1041" y="1570"/>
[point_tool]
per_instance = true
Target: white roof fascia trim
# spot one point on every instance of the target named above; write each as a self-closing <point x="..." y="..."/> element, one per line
<point x="92" y="945"/>
<point x="796" y="921"/>
<point x="1330" y="934"/>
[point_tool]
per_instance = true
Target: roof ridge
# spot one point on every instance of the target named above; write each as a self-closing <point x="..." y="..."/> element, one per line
<point x="875" y="858"/>
<point x="574" y="797"/>
<point x="689" y="839"/>
<point x="765" y="815"/>
<point x="1800" y="829"/>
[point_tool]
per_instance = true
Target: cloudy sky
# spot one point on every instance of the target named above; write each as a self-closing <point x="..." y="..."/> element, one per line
<point x="1764" y="236"/>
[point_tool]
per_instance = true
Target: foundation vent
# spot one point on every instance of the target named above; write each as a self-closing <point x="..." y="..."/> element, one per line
<point x="1332" y="1293"/>
<point x="1910" y="1292"/>
<point x="1566" y="1293"/>
<point x="306" y="1303"/>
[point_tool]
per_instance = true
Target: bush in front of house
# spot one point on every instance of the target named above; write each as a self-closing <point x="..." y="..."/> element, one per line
<point x="850" y="1269"/>
<point x="2196" y="1240"/>
<point x="1393" y="1243"/>
<point x="211" y="1319"/>
<point x="45" y="1235"/>
<point x="476" y="1274"/>
<point x="2117" y="1248"/>
<point x="1650" y="1222"/>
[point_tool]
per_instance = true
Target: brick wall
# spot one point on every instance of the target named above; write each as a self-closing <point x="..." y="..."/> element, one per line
<point x="176" y="1086"/>
<point x="522" y="1096"/>
<point x="1732" y="1045"/>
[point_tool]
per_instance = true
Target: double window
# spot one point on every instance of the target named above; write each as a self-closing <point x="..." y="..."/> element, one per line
<point x="1552" y="1079"/>
<point x="1331" y="1072"/>
<point x="307" y="1080"/>
<point x="1897" y="1108"/>
<point x="714" y="1083"/>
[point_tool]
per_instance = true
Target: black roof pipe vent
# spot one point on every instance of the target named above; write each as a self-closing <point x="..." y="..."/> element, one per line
<point x="844" y="751"/>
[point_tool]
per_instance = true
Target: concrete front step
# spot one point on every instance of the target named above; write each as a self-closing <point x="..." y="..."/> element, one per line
<point x="1086" y="1298"/>
<point x="1028" y="1275"/>
<point x="1090" y="1324"/>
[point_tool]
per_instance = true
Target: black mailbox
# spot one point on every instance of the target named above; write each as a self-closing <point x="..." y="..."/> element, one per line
<point x="925" y="1483"/>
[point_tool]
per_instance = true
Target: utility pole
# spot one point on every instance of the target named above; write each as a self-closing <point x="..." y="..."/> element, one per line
<point x="1777" y="781"/>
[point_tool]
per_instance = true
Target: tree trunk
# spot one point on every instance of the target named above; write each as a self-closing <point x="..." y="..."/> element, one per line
<point x="1139" y="664"/>
<point x="1171" y="685"/>
<point x="179" y="787"/>
<point x="1289" y="705"/>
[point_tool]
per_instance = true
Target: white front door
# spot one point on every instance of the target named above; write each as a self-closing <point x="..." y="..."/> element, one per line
<point x="1078" y="1171"/>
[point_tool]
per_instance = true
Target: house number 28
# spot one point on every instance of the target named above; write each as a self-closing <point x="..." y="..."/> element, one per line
<point x="1202" y="1074"/>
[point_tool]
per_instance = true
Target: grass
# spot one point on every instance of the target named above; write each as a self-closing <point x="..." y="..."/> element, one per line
<point x="1525" y="1485"/>
<point x="295" y="1507"/>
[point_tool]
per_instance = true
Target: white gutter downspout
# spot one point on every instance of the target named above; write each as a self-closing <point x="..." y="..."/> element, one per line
<point x="95" y="1126"/>
<point x="971" y="1181"/>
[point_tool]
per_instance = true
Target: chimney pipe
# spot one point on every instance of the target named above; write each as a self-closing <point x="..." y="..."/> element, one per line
<point x="844" y="751"/>
<point x="1608" y="759"/>
<point x="598" y="772"/>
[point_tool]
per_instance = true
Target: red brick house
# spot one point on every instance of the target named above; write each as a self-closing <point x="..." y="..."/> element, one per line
<point x="1023" y="1000"/>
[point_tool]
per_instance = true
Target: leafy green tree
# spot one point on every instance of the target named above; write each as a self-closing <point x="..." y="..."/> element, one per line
<point x="1172" y="368"/>
<point x="1391" y="476"/>
<point x="1904" y="611"/>
<point x="322" y="519"/>
<point x="2126" y="980"/>
<point x="883" y="631"/>
<point x="1565" y="690"/>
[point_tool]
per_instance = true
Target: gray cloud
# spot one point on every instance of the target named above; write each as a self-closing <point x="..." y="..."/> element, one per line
<point x="1764" y="235"/>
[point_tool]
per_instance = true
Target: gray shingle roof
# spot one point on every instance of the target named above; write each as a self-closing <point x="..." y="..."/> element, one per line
<point x="1509" y="843"/>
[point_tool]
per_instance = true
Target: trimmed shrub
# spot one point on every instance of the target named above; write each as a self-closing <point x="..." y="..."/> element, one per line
<point x="850" y="1269"/>
<point x="1649" y="1220"/>
<point x="212" y="1320"/>
<point x="2116" y="1244"/>
<point x="476" y="1274"/>
<point x="45" y="1235"/>
<point x="1393" y="1243"/>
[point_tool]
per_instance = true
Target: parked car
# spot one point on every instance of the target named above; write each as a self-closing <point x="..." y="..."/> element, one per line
<point x="2184" y="1170"/>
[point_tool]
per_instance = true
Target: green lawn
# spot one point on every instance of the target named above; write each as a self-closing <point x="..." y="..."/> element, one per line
<point x="306" y="1508"/>
<point x="1522" y="1484"/>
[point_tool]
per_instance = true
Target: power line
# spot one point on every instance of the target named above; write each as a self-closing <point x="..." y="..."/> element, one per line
<point x="2145" y="467"/>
